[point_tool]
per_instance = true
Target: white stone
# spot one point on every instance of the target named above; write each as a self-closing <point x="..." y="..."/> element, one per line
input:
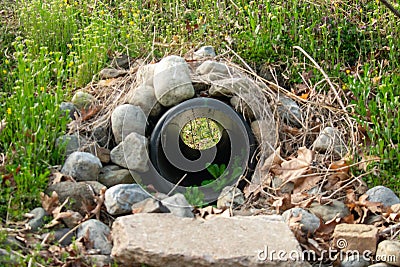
<point x="127" y="119"/>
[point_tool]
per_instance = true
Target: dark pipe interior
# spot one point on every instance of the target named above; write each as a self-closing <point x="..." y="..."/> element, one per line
<point x="173" y="174"/>
<point x="189" y="110"/>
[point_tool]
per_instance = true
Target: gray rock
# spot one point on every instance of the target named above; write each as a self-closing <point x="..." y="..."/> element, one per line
<point x="149" y="205"/>
<point x="82" y="166"/>
<point x="131" y="153"/>
<point x="230" y="196"/>
<point x="330" y="140"/>
<point x="213" y="70"/>
<point x="178" y="205"/>
<point x="80" y="194"/>
<point x="101" y="135"/>
<point x="112" y="175"/>
<point x="264" y="131"/>
<point x="203" y="52"/>
<point x="98" y="260"/>
<point x="145" y="75"/>
<point x="389" y="252"/>
<point x="172" y="83"/>
<point x="109" y="73"/>
<point x="82" y="100"/>
<point x="120" y="198"/>
<point x="355" y="260"/>
<point x="309" y="222"/>
<point x="144" y="97"/>
<point x="72" y="220"/>
<point x="38" y="220"/>
<point x="9" y="259"/>
<point x="126" y="119"/>
<point x="98" y="233"/>
<point x="231" y="87"/>
<point x="382" y="194"/>
<point x="242" y="107"/>
<point x="289" y="112"/>
<point x="60" y="233"/>
<point x="71" y="143"/>
<point x="68" y="107"/>
<point x="234" y="241"/>
<point x="287" y="188"/>
<point x="327" y="212"/>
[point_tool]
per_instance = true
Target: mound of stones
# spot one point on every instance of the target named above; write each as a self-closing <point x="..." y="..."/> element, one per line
<point x="160" y="230"/>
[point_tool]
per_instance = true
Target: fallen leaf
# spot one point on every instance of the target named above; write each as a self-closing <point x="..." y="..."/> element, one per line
<point x="294" y="168"/>
<point x="49" y="203"/>
<point x="303" y="185"/>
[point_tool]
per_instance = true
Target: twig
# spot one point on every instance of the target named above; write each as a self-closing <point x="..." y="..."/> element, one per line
<point x="177" y="184"/>
<point x="325" y="76"/>
<point x="388" y="5"/>
<point x="390" y="229"/>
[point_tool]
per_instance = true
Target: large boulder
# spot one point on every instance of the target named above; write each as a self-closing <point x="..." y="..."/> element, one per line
<point x="172" y="83"/>
<point x="126" y="119"/>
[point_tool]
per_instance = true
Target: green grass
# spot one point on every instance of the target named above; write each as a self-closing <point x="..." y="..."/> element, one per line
<point x="51" y="47"/>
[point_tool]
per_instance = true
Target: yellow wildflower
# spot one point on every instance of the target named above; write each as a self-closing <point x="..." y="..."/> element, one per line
<point x="6" y="61"/>
<point x="4" y="71"/>
<point x="348" y="71"/>
<point x="131" y="23"/>
<point x="41" y="88"/>
<point x="128" y="35"/>
<point x="9" y="111"/>
<point x="69" y="46"/>
<point x="71" y="64"/>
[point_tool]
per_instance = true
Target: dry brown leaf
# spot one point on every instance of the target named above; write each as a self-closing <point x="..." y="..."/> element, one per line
<point x="49" y="203"/>
<point x="273" y="159"/>
<point x="303" y="185"/>
<point x="99" y="203"/>
<point x="292" y="169"/>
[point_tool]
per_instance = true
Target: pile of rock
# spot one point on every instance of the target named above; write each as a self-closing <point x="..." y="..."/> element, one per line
<point x="160" y="239"/>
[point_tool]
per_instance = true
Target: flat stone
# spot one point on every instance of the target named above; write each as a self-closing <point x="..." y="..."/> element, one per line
<point x="358" y="237"/>
<point x="389" y="252"/>
<point x="178" y="205"/>
<point x="327" y="212"/>
<point x="230" y="196"/>
<point x="309" y="222"/>
<point x="112" y="175"/>
<point x="382" y="194"/>
<point x="127" y="119"/>
<point x="330" y="140"/>
<point x="82" y="100"/>
<point x="120" y="198"/>
<point x="144" y="97"/>
<point x="80" y="194"/>
<point x="98" y="234"/>
<point x="172" y="83"/>
<point x="82" y="166"/>
<point x="234" y="241"/>
<point x="132" y="153"/>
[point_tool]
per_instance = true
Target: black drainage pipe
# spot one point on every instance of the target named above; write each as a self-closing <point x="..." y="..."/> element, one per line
<point x="180" y="164"/>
